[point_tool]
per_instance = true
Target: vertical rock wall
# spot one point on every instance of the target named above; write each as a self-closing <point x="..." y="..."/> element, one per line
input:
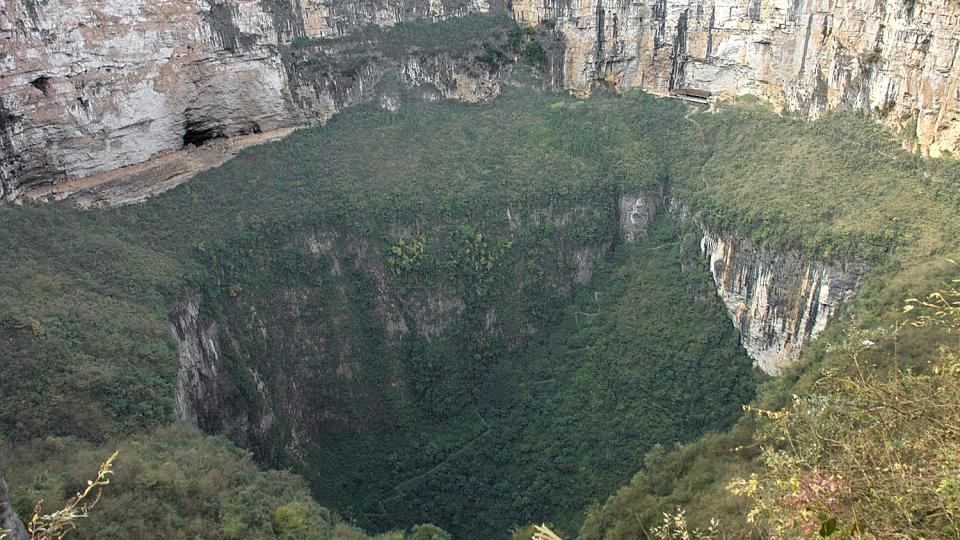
<point x="896" y="59"/>
<point x="777" y="300"/>
<point x="90" y="86"/>
<point x="9" y="522"/>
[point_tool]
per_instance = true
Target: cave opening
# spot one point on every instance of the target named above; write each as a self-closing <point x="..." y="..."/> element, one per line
<point x="41" y="83"/>
<point x="197" y="134"/>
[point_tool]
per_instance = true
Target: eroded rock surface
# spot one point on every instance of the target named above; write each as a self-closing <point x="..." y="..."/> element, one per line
<point x="777" y="300"/>
<point x="896" y="59"/>
<point x="88" y="87"/>
<point x="9" y="521"/>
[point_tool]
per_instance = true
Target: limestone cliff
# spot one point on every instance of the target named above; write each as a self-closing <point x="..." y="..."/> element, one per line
<point x="777" y="300"/>
<point x="88" y="87"/>
<point x="9" y="522"/>
<point x="893" y="58"/>
<point x="204" y="384"/>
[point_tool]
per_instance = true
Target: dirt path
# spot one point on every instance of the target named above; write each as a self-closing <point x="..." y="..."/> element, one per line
<point x="398" y="489"/>
<point x="138" y="182"/>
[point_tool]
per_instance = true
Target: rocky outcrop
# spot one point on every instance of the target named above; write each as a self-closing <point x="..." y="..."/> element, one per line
<point x="777" y="300"/>
<point x="637" y="212"/>
<point x="896" y="59"/>
<point x="9" y="522"/>
<point x="88" y="87"/>
<point x="325" y="18"/>
<point x="321" y="86"/>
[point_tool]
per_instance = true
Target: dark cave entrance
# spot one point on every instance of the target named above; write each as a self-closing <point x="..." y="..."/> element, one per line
<point x="199" y="133"/>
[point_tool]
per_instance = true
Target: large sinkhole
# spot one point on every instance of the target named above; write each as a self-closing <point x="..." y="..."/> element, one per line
<point x="473" y="316"/>
<point x="474" y="343"/>
<point x="462" y="376"/>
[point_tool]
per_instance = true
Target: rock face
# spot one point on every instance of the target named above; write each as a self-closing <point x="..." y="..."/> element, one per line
<point x="209" y="392"/>
<point x="778" y="301"/>
<point x="324" y="18"/>
<point x="88" y="87"/>
<point x="896" y="59"/>
<point x="637" y="212"/>
<point x="8" y="518"/>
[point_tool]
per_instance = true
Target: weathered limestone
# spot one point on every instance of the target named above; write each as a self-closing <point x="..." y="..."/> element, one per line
<point x="9" y="522"/>
<point x="323" y="18"/>
<point x="89" y="86"/>
<point x="636" y="214"/>
<point x="777" y="300"/>
<point x="893" y="58"/>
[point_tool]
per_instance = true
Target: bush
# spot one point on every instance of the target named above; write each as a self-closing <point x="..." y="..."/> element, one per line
<point x="867" y="454"/>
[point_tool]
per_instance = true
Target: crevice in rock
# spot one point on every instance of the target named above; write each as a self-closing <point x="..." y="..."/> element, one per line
<point x="199" y="133"/>
<point x="41" y="83"/>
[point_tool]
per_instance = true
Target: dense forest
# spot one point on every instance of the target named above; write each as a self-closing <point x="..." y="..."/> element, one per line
<point x="543" y="360"/>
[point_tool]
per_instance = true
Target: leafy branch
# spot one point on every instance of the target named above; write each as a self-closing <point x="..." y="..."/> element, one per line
<point x="62" y="522"/>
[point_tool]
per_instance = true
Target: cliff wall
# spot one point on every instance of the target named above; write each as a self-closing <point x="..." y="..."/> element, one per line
<point x="896" y="59"/>
<point x="777" y="300"/>
<point x="88" y="87"/>
<point x="9" y="521"/>
<point x="351" y="347"/>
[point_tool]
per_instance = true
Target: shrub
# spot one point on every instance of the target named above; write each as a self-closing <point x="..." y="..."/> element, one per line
<point x="867" y="454"/>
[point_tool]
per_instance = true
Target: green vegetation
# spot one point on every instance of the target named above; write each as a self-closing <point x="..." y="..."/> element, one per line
<point x="494" y="39"/>
<point x="456" y="35"/>
<point x="174" y="483"/>
<point x="551" y="429"/>
<point x="446" y="199"/>
<point x="834" y="188"/>
<point x="867" y="453"/>
<point x="86" y="295"/>
<point x="510" y="393"/>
